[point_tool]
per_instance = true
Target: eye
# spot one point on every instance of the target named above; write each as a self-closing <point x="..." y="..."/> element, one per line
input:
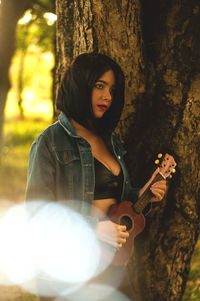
<point x="98" y="86"/>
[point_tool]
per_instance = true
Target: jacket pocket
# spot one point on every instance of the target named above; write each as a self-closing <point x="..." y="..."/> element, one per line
<point x="66" y="156"/>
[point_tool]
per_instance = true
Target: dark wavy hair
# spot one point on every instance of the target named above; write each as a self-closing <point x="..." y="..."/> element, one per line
<point x="74" y="94"/>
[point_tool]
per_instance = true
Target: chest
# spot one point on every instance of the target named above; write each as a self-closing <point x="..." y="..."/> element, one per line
<point x="101" y="152"/>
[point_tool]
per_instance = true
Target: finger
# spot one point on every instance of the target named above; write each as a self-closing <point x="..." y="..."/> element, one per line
<point x="158" y="195"/>
<point x="124" y="234"/>
<point x="122" y="228"/>
<point x="161" y="184"/>
<point x="160" y="181"/>
<point x="154" y="200"/>
<point x="157" y="198"/>
<point x="122" y="240"/>
<point x="157" y="190"/>
<point x="119" y="245"/>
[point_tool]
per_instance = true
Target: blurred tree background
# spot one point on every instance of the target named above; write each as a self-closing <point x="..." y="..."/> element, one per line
<point x="27" y="60"/>
<point x="33" y="62"/>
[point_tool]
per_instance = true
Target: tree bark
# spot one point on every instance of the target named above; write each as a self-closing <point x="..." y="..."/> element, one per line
<point x="173" y="119"/>
<point x="157" y="44"/>
<point x="10" y="12"/>
<point x="64" y="37"/>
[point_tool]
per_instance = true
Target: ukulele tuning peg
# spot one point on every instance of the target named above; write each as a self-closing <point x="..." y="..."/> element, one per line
<point x="159" y="155"/>
<point x="157" y="162"/>
<point x="170" y="176"/>
<point x="173" y="170"/>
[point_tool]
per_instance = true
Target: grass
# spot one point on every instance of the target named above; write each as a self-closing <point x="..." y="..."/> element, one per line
<point x="19" y="135"/>
<point x="192" y="291"/>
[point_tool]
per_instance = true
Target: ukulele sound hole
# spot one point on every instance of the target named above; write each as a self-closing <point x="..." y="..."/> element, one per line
<point x="127" y="221"/>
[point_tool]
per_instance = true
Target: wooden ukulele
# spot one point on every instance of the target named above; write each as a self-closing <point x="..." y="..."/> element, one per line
<point x="129" y="214"/>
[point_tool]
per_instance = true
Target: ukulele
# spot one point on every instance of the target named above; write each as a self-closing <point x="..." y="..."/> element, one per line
<point x="129" y="214"/>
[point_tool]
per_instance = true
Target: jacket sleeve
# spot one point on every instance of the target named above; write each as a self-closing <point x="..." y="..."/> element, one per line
<point x="132" y="194"/>
<point x="41" y="172"/>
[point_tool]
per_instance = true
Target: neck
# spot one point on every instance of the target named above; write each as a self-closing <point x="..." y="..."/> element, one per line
<point x="81" y="130"/>
<point x="77" y="125"/>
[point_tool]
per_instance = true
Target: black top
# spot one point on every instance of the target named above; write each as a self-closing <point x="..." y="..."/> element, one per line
<point x="107" y="185"/>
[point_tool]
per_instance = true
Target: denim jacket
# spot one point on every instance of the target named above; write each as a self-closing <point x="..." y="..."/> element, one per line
<point x="61" y="168"/>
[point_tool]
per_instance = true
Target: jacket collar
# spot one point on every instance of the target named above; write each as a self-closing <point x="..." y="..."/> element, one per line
<point x="66" y="124"/>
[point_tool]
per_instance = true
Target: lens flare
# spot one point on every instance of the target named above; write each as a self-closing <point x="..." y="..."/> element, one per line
<point x="49" y="249"/>
<point x="15" y="250"/>
<point x="95" y="292"/>
<point x="67" y="248"/>
<point x="5" y="205"/>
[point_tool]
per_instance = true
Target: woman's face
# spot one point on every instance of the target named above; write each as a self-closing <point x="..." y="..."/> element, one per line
<point x="102" y="93"/>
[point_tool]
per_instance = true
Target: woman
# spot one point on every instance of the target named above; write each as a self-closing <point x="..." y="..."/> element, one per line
<point x="80" y="158"/>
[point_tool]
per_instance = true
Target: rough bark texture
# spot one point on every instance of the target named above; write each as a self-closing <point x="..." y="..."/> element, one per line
<point x="171" y="107"/>
<point x="10" y="12"/>
<point x="157" y="44"/>
<point x="64" y="37"/>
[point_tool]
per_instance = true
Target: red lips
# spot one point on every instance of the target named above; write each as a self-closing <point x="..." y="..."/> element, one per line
<point x="102" y="107"/>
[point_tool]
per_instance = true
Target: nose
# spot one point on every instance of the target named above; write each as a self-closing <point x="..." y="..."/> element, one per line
<point x="107" y="95"/>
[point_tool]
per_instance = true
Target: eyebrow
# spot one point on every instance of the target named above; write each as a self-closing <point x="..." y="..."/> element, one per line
<point x="104" y="82"/>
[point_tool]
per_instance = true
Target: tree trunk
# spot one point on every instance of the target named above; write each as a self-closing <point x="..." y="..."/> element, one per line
<point x="20" y="82"/>
<point x="157" y="44"/>
<point x="64" y="37"/>
<point x="172" y="103"/>
<point x="10" y="12"/>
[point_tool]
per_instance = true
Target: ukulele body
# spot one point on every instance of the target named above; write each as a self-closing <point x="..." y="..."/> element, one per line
<point x="124" y="214"/>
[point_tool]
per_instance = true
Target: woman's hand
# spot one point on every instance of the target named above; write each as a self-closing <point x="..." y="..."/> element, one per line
<point x="112" y="233"/>
<point x="158" y="189"/>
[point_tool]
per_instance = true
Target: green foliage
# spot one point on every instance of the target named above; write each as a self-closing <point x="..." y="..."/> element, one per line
<point x="31" y="72"/>
<point x="192" y="292"/>
<point x="193" y="285"/>
<point x="37" y="85"/>
<point x="37" y="31"/>
<point x="22" y="132"/>
<point x="195" y="273"/>
<point x="19" y="136"/>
